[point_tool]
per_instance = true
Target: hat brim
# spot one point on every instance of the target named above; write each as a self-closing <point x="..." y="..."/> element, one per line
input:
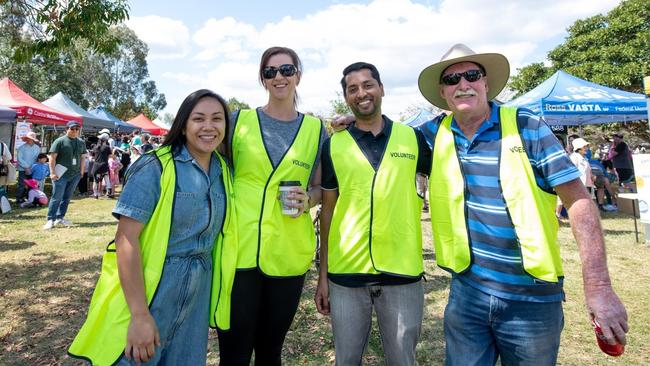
<point x="25" y="138"/>
<point x="496" y="67"/>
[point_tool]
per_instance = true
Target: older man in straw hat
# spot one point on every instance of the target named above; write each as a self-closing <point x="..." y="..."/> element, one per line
<point x="494" y="173"/>
<point x="26" y="155"/>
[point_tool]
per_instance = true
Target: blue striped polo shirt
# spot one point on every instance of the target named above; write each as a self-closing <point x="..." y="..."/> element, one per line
<point x="497" y="267"/>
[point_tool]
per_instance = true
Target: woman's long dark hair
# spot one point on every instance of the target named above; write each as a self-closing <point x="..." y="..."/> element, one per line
<point x="175" y="137"/>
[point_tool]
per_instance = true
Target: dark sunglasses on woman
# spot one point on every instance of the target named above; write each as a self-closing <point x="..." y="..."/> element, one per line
<point x="286" y="70"/>
<point x="469" y="75"/>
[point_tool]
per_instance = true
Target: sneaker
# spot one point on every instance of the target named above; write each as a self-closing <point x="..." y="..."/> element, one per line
<point x="610" y="208"/>
<point x="48" y="225"/>
<point x="63" y="222"/>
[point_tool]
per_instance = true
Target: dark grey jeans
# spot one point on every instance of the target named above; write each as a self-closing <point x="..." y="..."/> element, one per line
<point x="399" y="311"/>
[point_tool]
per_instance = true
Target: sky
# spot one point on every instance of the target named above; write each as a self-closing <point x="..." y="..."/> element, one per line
<point x="217" y="45"/>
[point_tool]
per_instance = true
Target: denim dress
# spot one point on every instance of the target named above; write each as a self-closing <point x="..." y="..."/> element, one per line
<point x="181" y="303"/>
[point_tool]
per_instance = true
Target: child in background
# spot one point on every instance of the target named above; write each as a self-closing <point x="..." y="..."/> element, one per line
<point x="35" y="197"/>
<point x="114" y="167"/>
<point x="40" y="170"/>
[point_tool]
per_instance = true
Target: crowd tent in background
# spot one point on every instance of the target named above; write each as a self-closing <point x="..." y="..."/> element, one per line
<point x="147" y="125"/>
<point x="91" y="123"/>
<point x="118" y="124"/>
<point x="7" y="121"/>
<point x="564" y="99"/>
<point x="162" y="124"/>
<point x="419" y="118"/>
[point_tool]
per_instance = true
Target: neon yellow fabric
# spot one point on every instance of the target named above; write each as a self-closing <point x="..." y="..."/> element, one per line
<point x="279" y="245"/>
<point x="447" y="203"/>
<point x="530" y="208"/>
<point x="102" y="338"/>
<point x="376" y="221"/>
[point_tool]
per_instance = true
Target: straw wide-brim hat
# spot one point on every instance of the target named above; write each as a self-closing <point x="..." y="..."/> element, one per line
<point x="31" y="136"/>
<point x="496" y="65"/>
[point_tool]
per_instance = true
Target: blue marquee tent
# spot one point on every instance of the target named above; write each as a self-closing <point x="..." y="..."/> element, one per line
<point x="419" y="118"/>
<point x="564" y="99"/>
<point x="7" y="115"/>
<point x="64" y="104"/>
<point x="120" y="125"/>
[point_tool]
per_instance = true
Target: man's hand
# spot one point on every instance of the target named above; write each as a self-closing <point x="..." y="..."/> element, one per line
<point x="322" y="297"/>
<point x="54" y="177"/>
<point x="340" y="123"/>
<point x="608" y="310"/>
<point x="142" y="338"/>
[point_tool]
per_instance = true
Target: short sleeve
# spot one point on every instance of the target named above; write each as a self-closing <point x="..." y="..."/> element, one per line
<point x="141" y="190"/>
<point x="328" y="180"/>
<point x="551" y="164"/>
<point x="424" y="154"/>
<point x="55" y="146"/>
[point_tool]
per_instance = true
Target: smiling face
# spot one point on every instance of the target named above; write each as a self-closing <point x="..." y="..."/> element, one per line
<point x="465" y="96"/>
<point x="205" y="128"/>
<point x="281" y="87"/>
<point x="363" y="94"/>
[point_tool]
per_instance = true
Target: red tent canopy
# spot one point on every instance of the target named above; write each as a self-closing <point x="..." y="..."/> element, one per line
<point x="145" y="123"/>
<point x="29" y="108"/>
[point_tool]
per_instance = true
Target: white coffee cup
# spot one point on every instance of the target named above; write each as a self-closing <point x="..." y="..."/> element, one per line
<point x="286" y="187"/>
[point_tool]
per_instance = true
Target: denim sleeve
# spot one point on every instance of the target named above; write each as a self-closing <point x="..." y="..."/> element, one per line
<point x="141" y="190"/>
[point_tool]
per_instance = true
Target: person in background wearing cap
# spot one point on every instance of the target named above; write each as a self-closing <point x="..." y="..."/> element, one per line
<point x="621" y="157"/>
<point x="27" y="155"/>
<point x="70" y="152"/>
<point x="580" y="148"/>
<point x="493" y="177"/>
<point x="100" y="167"/>
<point x="111" y="141"/>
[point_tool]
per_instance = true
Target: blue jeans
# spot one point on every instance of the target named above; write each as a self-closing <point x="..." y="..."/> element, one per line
<point x="62" y="190"/>
<point x="399" y="311"/>
<point x="479" y="328"/>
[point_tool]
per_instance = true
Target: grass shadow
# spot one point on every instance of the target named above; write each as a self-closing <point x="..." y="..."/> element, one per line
<point x="45" y="299"/>
<point x="96" y="224"/>
<point x="6" y="245"/>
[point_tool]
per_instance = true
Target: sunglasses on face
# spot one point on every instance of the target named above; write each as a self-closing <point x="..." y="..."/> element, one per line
<point x="469" y="75"/>
<point x="286" y="70"/>
<point x="75" y="128"/>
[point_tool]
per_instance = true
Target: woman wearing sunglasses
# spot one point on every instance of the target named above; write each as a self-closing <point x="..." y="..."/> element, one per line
<point x="272" y="145"/>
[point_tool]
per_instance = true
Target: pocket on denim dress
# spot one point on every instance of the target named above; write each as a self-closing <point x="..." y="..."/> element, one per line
<point x="186" y="209"/>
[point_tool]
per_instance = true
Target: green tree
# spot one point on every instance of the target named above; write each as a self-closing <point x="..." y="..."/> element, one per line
<point x="339" y="106"/>
<point x="607" y="49"/>
<point x="235" y="105"/>
<point x="46" y="27"/>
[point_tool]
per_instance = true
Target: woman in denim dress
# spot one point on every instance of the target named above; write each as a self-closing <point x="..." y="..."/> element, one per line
<point x="173" y="330"/>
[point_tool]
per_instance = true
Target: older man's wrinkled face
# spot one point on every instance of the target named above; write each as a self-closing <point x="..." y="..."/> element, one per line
<point x="465" y="96"/>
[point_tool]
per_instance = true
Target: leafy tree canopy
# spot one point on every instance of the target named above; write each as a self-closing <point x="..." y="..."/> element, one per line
<point x="607" y="49"/>
<point x="45" y="27"/>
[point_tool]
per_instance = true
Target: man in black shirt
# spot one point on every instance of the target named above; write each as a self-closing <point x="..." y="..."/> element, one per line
<point x="371" y="244"/>
<point x="622" y="159"/>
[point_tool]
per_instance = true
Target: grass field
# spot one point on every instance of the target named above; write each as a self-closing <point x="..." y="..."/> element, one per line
<point x="47" y="278"/>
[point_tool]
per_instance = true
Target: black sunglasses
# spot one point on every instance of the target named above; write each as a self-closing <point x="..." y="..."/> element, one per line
<point x="286" y="70"/>
<point x="469" y="75"/>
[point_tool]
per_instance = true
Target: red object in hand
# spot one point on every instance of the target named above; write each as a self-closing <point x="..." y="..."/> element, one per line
<point x="611" y="349"/>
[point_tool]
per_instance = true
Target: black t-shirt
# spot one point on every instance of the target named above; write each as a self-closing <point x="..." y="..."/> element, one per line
<point x="100" y="166"/>
<point x="622" y="159"/>
<point x="373" y="147"/>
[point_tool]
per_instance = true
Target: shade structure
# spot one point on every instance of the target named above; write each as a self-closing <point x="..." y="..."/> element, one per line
<point x="162" y="124"/>
<point x="118" y="124"/>
<point x="146" y="124"/>
<point x="62" y="103"/>
<point x="7" y="115"/>
<point x="29" y="108"/>
<point x="564" y="99"/>
<point x="421" y="117"/>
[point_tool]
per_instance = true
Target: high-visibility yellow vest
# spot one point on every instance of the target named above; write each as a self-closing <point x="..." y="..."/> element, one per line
<point x="277" y="244"/>
<point x="531" y="209"/>
<point x="102" y="338"/>
<point x="376" y="221"/>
